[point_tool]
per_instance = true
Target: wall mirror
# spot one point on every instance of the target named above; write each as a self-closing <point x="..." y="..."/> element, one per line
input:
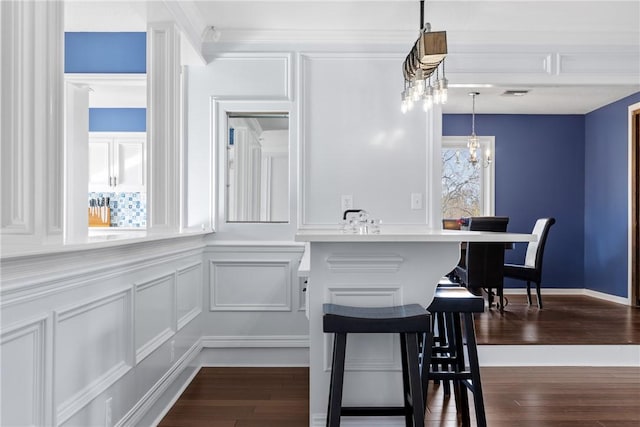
<point x="257" y="167"/>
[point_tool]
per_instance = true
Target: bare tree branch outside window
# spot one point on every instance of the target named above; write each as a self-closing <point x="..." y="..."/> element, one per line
<point x="460" y="185"/>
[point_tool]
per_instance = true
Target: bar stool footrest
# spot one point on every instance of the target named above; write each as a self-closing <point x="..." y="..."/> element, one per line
<point x="372" y="411"/>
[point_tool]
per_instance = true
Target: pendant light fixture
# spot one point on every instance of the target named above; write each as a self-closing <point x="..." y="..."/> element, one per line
<point x="473" y="141"/>
<point x="425" y="57"/>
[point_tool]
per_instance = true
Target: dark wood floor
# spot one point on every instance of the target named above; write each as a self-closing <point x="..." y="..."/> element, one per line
<point x="527" y="397"/>
<point x="243" y="397"/>
<point x="565" y="319"/>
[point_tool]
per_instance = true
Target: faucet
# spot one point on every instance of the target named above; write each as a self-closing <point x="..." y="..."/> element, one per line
<point x="348" y="211"/>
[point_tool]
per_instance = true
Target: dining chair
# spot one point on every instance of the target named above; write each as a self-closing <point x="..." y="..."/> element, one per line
<point x="483" y="264"/>
<point x="531" y="270"/>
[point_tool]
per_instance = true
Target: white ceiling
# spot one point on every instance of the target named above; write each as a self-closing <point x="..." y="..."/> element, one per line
<point x="483" y="26"/>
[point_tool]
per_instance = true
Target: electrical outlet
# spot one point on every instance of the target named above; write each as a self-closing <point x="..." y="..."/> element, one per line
<point x="346" y="202"/>
<point x="108" y="415"/>
<point x="173" y="351"/>
<point x="416" y="201"/>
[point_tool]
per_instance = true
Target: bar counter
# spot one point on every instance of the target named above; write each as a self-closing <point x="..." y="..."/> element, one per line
<point x="399" y="265"/>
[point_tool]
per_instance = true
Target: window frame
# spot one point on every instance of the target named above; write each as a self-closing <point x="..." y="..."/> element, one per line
<point x="487" y="174"/>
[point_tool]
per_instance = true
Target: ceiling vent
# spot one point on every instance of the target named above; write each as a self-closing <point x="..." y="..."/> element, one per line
<point x="517" y="92"/>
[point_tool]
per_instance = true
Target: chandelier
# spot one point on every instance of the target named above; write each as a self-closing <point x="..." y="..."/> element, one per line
<point x="473" y="141"/>
<point x="424" y="59"/>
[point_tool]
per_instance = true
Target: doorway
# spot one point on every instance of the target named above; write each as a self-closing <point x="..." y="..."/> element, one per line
<point x="634" y="136"/>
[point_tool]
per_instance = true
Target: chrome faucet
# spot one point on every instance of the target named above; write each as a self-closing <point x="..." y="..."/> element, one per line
<point x="348" y="211"/>
<point x="360" y="225"/>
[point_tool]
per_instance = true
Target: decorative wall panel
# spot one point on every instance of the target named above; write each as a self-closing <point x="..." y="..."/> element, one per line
<point x="370" y="352"/>
<point x="358" y="262"/>
<point x="599" y="63"/>
<point x="154" y="314"/>
<point x="92" y="350"/>
<point x="250" y="285"/>
<point x="235" y="76"/>
<point x="22" y="383"/>
<point x="188" y="293"/>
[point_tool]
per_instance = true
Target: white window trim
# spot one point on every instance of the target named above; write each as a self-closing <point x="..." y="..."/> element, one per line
<point x="488" y="174"/>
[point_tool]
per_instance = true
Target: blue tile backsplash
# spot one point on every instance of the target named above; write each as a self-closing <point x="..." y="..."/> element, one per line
<point x="127" y="209"/>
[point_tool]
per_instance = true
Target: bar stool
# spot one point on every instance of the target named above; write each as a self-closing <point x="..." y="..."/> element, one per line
<point x="410" y="321"/>
<point x="455" y="303"/>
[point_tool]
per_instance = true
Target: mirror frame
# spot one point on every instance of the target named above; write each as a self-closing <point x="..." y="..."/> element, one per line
<point x="220" y="110"/>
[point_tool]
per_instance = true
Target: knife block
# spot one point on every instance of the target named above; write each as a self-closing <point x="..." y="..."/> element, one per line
<point x="95" y="219"/>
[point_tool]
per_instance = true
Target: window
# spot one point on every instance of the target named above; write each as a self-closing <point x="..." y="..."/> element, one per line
<point x="467" y="190"/>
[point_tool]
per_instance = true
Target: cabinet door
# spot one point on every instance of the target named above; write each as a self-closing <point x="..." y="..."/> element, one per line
<point x="99" y="164"/>
<point x="129" y="170"/>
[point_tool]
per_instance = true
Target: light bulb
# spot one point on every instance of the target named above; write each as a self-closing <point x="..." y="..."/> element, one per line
<point x="436" y="96"/>
<point x="443" y="84"/>
<point x="426" y="104"/>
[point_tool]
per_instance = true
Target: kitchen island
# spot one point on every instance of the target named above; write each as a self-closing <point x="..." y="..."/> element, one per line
<point x="399" y="265"/>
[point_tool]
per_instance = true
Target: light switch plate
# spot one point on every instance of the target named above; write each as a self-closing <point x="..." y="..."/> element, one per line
<point x="416" y="201"/>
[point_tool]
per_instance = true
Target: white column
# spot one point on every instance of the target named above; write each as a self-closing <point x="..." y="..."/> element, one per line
<point x="434" y="167"/>
<point x="31" y="110"/>
<point x="163" y="127"/>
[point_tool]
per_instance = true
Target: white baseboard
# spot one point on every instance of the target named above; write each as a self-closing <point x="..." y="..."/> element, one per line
<point x="569" y="291"/>
<point x="607" y="297"/>
<point x="143" y="407"/>
<point x="259" y="350"/>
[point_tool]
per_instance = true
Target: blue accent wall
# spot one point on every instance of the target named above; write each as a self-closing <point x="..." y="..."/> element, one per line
<point x="112" y="52"/>
<point x="606" y="197"/>
<point x="117" y="119"/>
<point x="539" y="173"/>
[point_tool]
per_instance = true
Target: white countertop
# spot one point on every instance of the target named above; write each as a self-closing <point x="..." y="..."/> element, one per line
<point x="410" y="233"/>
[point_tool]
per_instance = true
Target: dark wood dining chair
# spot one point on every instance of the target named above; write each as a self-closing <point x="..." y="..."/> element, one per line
<point x="483" y="265"/>
<point x="531" y="270"/>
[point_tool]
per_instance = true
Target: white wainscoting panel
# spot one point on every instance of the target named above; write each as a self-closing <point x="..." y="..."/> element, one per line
<point x="250" y="285"/>
<point x="188" y="293"/>
<point x="154" y="314"/>
<point x="23" y="374"/>
<point x="92" y="349"/>
<point x="366" y="352"/>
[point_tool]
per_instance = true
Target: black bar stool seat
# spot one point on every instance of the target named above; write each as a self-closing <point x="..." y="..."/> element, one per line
<point x="452" y="304"/>
<point x="411" y="322"/>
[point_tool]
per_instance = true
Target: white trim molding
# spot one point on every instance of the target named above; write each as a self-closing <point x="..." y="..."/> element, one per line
<point x="630" y="237"/>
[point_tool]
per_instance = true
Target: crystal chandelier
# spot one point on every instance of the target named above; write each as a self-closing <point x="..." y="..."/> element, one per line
<point x="473" y="141"/>
<point x="424" y="59"/>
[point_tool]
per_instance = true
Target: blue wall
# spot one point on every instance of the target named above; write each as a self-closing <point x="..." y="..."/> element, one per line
<point x="117" y="119"/>
<point x="105" y="52"/>
<point x="606" y="197"/>
<point x="539" y="173"/>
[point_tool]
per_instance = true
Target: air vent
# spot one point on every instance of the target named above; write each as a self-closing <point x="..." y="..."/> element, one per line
<point x="520" y="92"/>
